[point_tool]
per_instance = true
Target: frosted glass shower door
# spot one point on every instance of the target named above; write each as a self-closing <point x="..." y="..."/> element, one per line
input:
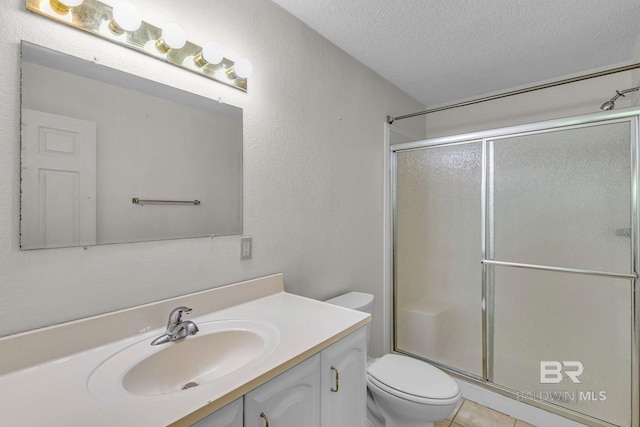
<point x="560" y="221"/>
<point x="438" y="314"/>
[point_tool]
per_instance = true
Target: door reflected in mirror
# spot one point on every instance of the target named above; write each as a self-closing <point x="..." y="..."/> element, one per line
<point x="94" y="139"/>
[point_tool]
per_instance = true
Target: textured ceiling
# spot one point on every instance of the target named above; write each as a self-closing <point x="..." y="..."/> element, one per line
<point x="440" y="51"/>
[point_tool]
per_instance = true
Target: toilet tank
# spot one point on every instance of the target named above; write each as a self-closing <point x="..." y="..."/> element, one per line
<point x="356" y="301"/>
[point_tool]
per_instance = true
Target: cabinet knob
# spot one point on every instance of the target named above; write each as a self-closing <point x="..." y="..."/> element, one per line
<point x="337" y="387"/>
<point x="266" y="420"/>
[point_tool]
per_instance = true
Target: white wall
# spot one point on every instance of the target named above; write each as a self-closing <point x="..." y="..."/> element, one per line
<point x="313" y="180"/>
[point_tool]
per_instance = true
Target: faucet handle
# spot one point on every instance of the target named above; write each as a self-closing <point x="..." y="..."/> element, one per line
<point x="176" y="314"/>
<point x="184" y="329"/>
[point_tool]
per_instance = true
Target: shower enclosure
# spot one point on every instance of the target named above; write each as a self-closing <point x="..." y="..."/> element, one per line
<point x="515" y="261"/>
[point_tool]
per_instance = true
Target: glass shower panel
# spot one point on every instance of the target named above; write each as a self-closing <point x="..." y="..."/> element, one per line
<point x="563" y="198"/>
<point x="438" y="313"/>
<point x="578" y="326"/>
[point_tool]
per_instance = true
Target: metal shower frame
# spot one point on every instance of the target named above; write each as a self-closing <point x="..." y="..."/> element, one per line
<point x="630" y="115"/>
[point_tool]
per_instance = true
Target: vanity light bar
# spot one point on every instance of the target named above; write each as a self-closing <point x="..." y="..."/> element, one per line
<point x="122" y="25"/>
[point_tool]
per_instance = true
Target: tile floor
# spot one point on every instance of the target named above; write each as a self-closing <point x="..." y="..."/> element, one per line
<point x="470" y="414"/>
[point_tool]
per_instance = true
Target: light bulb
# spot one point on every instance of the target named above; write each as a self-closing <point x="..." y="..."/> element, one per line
<point x="243" y="68"/>
<point x="62" y="6"/>
<point x="211" y="53"/>
<point x="125" y="18"/>
<point x="173" y="37"/>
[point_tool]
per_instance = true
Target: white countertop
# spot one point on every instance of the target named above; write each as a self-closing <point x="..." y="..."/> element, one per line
<point x="55" y="392"/>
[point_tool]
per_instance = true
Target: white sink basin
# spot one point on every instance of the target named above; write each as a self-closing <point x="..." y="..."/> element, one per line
<point x="219" y="349"/>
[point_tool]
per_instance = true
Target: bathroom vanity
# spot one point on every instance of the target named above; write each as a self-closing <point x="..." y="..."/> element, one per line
<point x="328" y="389"/>
<point x="261" y="356"/>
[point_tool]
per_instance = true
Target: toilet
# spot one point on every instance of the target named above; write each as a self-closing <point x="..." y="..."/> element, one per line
<point x="402" y="391"/>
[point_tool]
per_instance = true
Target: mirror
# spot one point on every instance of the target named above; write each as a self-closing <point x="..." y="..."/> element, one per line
<point x="108" y="157"/>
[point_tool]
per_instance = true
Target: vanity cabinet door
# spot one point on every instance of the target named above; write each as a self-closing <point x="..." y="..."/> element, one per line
<point x="228" y="416"/>
<point x="343" y="382"/>
<point x="292" y="399"/>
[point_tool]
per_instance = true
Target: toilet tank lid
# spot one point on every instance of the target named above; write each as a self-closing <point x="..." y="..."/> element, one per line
<point x="414" y="377"/>
<point x="352" y="300"/>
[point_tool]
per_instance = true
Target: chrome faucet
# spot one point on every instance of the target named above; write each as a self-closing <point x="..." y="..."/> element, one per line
<point x="177" y="328"/>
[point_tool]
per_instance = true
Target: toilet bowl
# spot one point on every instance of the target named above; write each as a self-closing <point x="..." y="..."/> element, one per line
<point x="402" y="391"/>
<point x="409" y="392"/>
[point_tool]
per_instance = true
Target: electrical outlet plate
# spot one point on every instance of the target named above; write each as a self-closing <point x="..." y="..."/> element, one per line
<point x="245" y="248"/>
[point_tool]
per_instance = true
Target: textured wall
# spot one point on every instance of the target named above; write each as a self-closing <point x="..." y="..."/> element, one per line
<point x="313" y="178"/>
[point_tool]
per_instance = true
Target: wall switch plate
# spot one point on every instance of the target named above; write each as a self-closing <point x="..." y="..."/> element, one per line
<point x="245" y="248"/>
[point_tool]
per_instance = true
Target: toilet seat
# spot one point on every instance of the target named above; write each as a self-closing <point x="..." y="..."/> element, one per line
<point x="372" y="382"/>
<point x="412" y="380"/>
